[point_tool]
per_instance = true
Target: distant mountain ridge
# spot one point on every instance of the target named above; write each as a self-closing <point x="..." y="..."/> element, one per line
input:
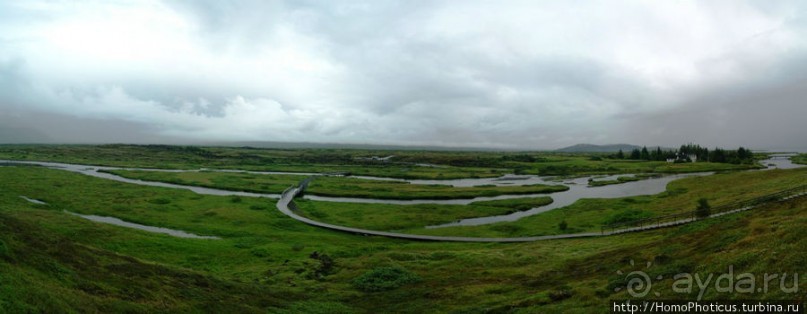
<point x="316" y="145"/>
<point x="591" y="148"/>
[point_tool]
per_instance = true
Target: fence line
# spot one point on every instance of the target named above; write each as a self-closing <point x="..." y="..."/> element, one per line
<point x="689" y="216"/>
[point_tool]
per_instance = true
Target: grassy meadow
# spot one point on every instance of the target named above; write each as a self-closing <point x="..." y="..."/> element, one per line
<point x="389" y="217"/>
<point x="265" y="262"/>
<point x="406" y="164"/>
<point x="243" y="158"/>
<point x="333" y="185"/>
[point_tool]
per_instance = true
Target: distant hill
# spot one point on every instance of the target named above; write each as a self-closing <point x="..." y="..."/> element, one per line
<point x="313" y="145"/>
<point x="591" y="148"/>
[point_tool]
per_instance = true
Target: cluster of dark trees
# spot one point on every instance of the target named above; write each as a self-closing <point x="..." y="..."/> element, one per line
<point x="645" y="154"/>
<point x="740" y="156"/>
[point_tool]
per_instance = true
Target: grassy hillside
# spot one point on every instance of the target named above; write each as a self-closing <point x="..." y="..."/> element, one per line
<point x="51" y="261"/>
<point x="44" y="271"/>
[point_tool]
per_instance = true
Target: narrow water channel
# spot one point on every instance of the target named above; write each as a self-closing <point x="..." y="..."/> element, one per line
<point x="95" y="171"/>
<point x="121" y="223"/>
<point x="578" y="187"/>
<point x="31" y="200"/>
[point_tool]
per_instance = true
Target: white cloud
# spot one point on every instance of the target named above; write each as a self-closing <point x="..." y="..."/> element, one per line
<point x="516" y="73"/>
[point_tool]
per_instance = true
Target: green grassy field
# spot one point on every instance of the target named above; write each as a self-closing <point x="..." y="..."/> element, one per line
<point x="243" y="158"/>
<point x="405" y="164"/>
<point x="399" y="217"/>
<point x="51" y="261"/>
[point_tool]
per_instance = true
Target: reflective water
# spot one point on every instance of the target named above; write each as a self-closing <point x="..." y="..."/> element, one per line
<point x="780" y="161"/>
<point x="121" y="223"/>
<point x="35" y="201"/>
<point x="580" y="190"/>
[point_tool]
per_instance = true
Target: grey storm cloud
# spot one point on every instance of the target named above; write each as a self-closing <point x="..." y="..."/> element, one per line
<point x="510" y="74"/>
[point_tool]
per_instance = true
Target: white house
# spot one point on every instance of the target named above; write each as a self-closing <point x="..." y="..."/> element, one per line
<point x="376" y="158"/>
<point x="683" y="158"/>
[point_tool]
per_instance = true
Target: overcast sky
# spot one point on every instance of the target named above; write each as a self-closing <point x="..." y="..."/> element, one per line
<point x="506" y="74"/>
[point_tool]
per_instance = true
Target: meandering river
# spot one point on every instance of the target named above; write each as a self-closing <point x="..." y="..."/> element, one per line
<point x="578" y="187"/>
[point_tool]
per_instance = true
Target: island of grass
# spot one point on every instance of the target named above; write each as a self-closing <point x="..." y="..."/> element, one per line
<point x="623" y="179"/>
<point x="517" y="204"/>
<point x="388" y="217"/>
<point x="362" y="188"/>
<point x="334" y="186"/>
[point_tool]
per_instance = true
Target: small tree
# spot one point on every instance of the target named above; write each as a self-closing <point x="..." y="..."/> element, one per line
<point x="703" y="210"/>
<point x="563" y="225"/>
<point x="645" y="154"/>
